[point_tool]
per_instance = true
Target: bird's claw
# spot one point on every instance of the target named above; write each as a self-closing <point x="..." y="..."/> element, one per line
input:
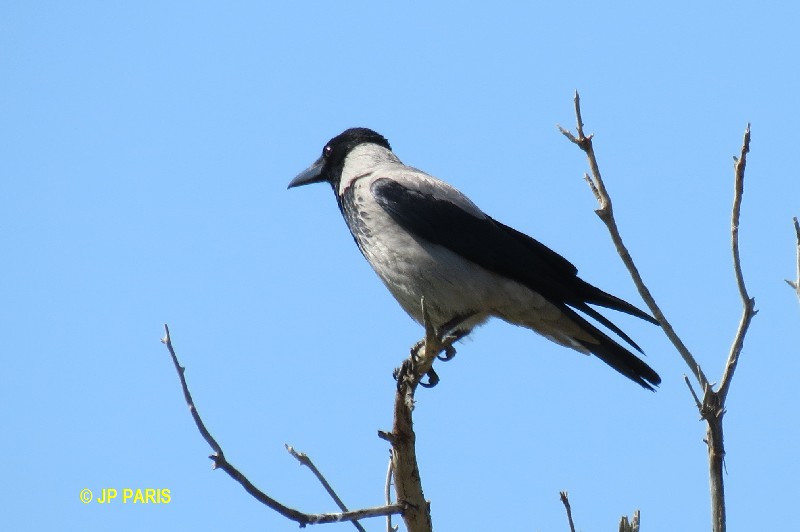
<point x="433" y="379"/>
<point x="449" y="353"/>
<point x="409" y="366"/>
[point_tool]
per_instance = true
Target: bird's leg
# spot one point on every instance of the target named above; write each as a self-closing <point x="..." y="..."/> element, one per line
<point x="446" y="345"/>
<point x="437" y="340"/>
<point x="425" y="352"/>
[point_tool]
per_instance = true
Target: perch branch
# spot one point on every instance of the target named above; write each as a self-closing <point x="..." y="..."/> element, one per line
<point x="407" y="481"/>
<point x="220" y="462"/>
<point x="796" y="284"/>
<point x="606" y="214"/>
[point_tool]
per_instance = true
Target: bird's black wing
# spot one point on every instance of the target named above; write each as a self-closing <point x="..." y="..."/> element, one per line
<point x="494" y="246"/>
<point x="445" y="221"/>
<point x="484" y="241"/>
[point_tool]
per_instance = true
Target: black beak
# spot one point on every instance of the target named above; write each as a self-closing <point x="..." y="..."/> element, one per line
<point x="312" y="174"/>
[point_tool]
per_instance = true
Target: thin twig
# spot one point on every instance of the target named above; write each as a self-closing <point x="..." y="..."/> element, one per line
<point x="305" y="460"/>
<point x="220" y="462"/>
<point x="388" y="496"/>
<point x="748" y="303"/>
<point x="565" y="501"/>
<point x="355" y="515"/>
<point x="606" y="214"/>
<point x="630" y="526"/>
<point x="694" y="395"/>
<point x="796" y="284"/>
<point x="167" y="340"/>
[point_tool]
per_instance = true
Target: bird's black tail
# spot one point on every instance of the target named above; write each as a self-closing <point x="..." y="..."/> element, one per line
<point x="623" y="361"/>
<point x="611" y="352"/>
<point x="595" y="296"/>
<point x="606" y="349"/>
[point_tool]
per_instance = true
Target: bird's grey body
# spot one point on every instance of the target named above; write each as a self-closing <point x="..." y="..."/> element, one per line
<point x="412" y="268"/>
<point x="424" y="238"/>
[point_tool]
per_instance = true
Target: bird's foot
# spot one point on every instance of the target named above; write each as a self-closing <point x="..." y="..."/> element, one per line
<point x="449" y="353"/>
<point x="433" y="379"/>
<point x="447" y="345"/>
<point x="404" y="373"/>
<point x="417" y="359"/>
<point x="437" y="344"/>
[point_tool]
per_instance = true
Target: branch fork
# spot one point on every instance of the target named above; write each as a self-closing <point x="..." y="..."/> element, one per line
<point x="220" y="462"/>
<point x="712" y="405"/>
<point x="411" y="503"/>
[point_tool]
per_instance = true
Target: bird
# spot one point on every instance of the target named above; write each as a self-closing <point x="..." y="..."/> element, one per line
<point x="426" y="239"/>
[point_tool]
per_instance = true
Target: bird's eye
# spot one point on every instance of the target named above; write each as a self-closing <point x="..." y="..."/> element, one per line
<point x="326" y="151"/>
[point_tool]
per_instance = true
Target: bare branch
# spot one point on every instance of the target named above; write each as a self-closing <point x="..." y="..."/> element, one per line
<point x="696" y="399"/>
<point x="304" y="459"/>
<point x="355" y="515"/>
<point x="220" y="462"/>
<point x="388" y="495"/>
<point x="796" y="284"/>
<point x="712" y="406"/>
<point x="714" y="402"/>
<point x="408" y="484"/>
<point x="606" y="214"/>
<point x="167" y="340"/>
<point x="748" y="303"/>
<point x="568" y="508"/>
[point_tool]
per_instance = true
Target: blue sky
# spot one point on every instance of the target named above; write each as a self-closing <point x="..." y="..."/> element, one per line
<point x="145" y="150"/>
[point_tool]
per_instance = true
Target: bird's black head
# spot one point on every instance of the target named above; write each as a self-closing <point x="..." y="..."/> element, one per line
<point x="329" y="166"/>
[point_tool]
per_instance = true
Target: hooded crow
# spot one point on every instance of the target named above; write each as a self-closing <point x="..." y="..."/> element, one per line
<point x="426" y="239"/>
